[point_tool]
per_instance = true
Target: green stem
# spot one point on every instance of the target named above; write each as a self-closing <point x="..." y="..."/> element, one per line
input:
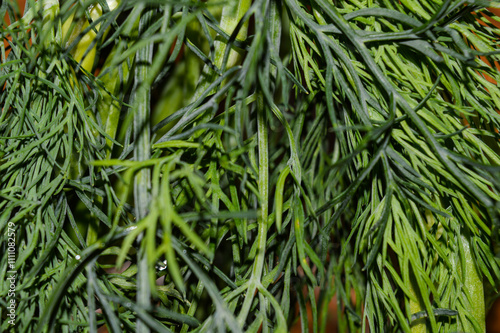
<point x="418" y="326"/>
<point x="473" y="285"/>
<point x="257" y="271"/>
<point x="144" y="58"/>
<point x="262" y="221"/>
<point x="231" y="15"/>
<point x="109" y="108"/>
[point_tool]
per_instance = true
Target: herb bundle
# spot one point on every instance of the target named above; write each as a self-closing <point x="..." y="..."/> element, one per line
<point x="192" y="166"/>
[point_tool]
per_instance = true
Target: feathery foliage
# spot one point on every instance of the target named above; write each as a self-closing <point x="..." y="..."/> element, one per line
<point x="237" y="158"/>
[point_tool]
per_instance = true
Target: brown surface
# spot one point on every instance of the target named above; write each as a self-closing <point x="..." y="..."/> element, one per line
<point x="493" y="318"/>
<point x="6" y="22"/>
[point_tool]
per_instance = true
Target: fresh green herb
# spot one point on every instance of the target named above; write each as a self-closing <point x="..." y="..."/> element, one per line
<point x="211" y="166"/>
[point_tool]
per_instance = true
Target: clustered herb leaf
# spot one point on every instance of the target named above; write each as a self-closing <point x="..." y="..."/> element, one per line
<point x="179" y="166"/>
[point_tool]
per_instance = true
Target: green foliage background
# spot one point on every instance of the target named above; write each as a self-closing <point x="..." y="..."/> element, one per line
<point x="243" y="157"/>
